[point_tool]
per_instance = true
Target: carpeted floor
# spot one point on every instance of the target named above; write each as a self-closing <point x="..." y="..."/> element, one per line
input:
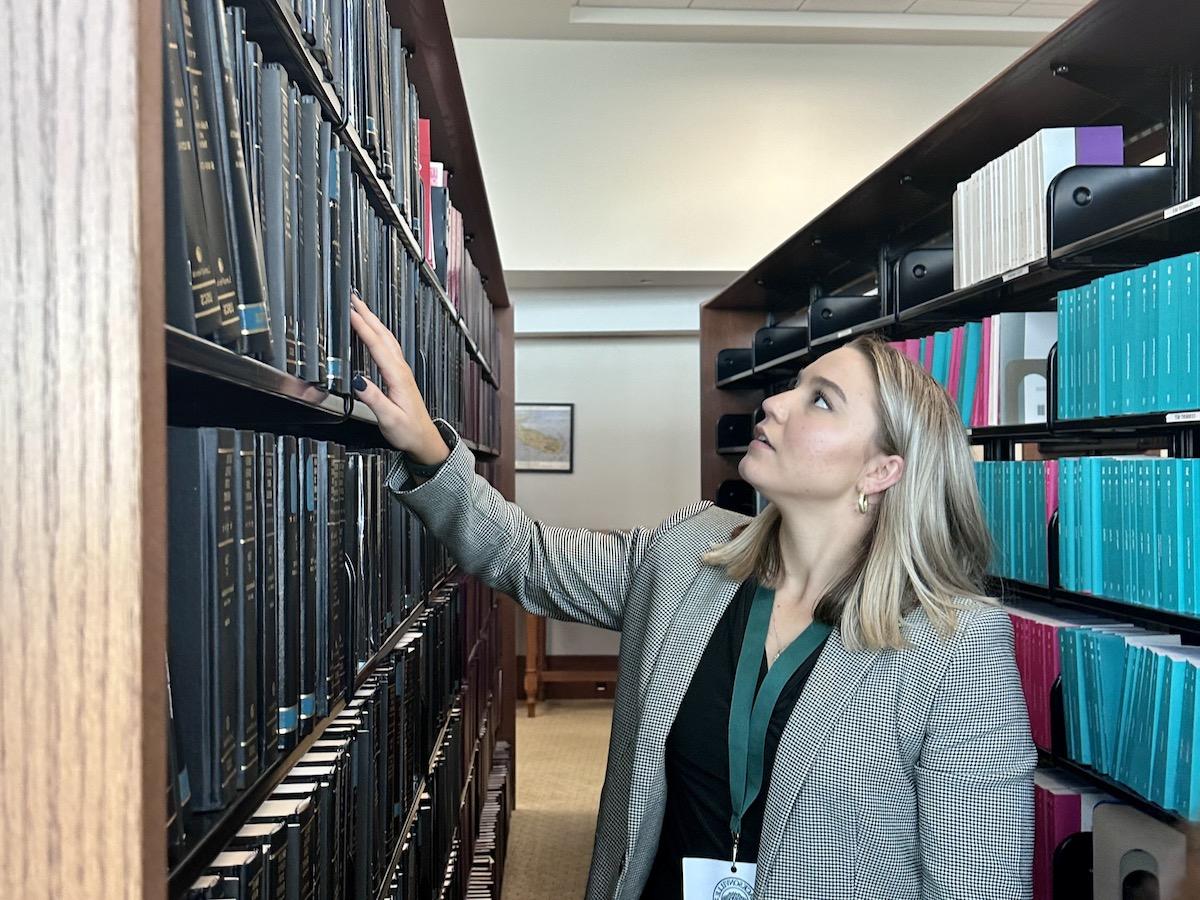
<point x="560" y="769"/>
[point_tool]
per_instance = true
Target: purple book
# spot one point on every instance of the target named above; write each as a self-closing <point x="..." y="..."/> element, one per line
<point x="1099" y="145"/>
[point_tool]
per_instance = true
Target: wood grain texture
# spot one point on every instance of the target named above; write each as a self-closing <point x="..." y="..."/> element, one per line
<point x="73" y="689"/>
<point x="719" y="329"/>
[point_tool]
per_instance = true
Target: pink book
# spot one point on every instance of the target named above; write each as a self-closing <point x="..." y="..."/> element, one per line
<point x="1051" y="488"/>
<point x="912" y="349"/>
<point x="984" y="383"/>
<point x="927" y="343"/>
<point x="954" y="382"/>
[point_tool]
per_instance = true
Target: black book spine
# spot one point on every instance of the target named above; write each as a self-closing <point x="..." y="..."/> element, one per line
<point x="323" y="581"/>
<point x="344" y="283"/>
<point x="370" y="19"/>
<point x="324" y="142"/>
<point x="365" y="811"/>
<point x="227" y="609"/>
<point x="179" y="792"/>
<point x="287" y="486"/>
<point x="191" y="287"/>
<point x="276" y="215"/>
<point x="292" y="230"/>
<point x="338" y="586"/>
<point x="192" y="613"/>
<point x="337" y="28"/>
<point x="384" y="81"/>
<point x="205" y="90"/>
<point x="268" y="601"/>
<point x="247" y="240"/>
<point x="441" y="203"/>
<point x="339" y="286"/>
<point x="246" y="609"/>
<point x="310" y="253"/>
<point x="310" y="557"/>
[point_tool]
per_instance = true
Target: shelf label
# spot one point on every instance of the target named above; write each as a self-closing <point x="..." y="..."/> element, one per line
<point x="1180" y="208"/>
<point x="1193" y="416"/>
<point x="1015" y="273"/>
<point x="844" y="333"/>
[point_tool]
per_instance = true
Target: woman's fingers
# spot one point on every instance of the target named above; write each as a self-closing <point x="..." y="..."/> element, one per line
<point x="372" y="320"/>
<point x="385" y="350"/>
<point x="388" y="414"/>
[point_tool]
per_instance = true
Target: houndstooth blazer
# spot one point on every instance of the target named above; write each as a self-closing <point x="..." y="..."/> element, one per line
<point x="900" y="774"/>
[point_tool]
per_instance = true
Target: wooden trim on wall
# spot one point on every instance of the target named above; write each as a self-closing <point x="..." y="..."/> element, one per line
<point x="572" y="690"/>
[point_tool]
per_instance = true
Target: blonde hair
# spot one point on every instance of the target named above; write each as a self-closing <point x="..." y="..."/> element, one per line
<point x="928" y="543"/>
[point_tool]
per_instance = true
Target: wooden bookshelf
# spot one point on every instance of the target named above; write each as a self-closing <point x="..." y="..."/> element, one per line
<point x="96" y="377"/>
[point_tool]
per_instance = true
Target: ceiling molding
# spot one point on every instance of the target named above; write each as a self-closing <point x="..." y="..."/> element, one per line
<point x="898" y="24"/>
<point x="553" y="279"/>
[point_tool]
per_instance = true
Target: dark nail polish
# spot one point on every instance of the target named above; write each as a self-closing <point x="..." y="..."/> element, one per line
<point x="360" y="383"/>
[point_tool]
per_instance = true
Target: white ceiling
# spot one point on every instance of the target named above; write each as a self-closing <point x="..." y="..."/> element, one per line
<point x="960" y="22"/>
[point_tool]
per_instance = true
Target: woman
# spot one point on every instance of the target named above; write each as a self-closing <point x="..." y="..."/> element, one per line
<point x="889" y="754"/>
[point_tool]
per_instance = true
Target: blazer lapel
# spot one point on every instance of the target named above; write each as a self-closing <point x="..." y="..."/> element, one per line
<point x="833" y="682"/>
<point x="664" y="683"/>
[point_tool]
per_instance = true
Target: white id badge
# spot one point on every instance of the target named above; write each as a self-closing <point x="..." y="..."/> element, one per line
<point x="711" y="879"/>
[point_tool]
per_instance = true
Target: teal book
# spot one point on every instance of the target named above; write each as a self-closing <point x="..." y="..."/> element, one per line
<point x="1185" y="486"/>
<point x="1110" y="305"/>
<point x="1191" y="535"/>
<point x="1089" y="401"/>
<point x="1071" y="549"/>
<point x="1145" y="577"/>
<point x="1168" y="533"/>
<point x="1128" y="715"/>
<point x="941" y="358"/>
<point x="1153" y="335"/>
<point x="1094" y="526"/>
<point x="972" y="355"/>
<point x="922" y="354"/>
<point x="1148" y="295"/>
<point x="1176" y="668"/>
<point x="1189" y="309"/>
<point x="1066" y="360"/>
<point x="1149" y="749"/>
<point x="1108" y="674"/>
<point x="1074" y="701"/>
<point x="1188" y="800"/>
<point x="1129" y="339"/>
<point x="1168" y="330"/>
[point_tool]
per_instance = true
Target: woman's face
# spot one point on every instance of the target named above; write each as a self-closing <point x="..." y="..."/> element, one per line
<point x="819" y="436"/>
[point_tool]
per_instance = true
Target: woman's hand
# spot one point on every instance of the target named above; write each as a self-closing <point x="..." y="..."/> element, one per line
<point x="403" y="418"/>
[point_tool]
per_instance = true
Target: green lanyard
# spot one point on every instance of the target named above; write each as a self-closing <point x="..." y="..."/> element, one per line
<point x="749" y="715"/>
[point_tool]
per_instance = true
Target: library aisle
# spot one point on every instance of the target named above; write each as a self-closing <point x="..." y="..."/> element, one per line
<point x="561" y="771"/>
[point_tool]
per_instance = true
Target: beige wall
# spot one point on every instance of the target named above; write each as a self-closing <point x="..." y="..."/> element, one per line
<point x="643" y="156"/>
<point x="635" y="449"/>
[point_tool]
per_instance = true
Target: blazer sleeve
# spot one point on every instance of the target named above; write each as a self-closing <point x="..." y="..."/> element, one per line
<point x="975" y="772"/>
<point x="573" y="574"/>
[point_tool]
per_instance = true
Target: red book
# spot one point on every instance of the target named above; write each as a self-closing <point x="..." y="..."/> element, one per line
<point x="424" y="157"/>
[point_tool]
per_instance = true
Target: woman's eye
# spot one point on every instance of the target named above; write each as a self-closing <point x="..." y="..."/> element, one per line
<point x="819" y="399"/>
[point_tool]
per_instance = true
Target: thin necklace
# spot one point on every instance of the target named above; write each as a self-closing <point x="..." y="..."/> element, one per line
<point x="778" y="643"/>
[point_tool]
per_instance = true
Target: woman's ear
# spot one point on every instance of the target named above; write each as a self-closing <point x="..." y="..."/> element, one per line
<point x="883" y="472"/>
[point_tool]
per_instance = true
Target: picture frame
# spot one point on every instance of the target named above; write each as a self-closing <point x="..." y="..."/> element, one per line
<point x="544" y="437"/>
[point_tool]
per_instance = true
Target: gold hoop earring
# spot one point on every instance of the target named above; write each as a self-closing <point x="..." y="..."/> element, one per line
<point x="864" y="505"/>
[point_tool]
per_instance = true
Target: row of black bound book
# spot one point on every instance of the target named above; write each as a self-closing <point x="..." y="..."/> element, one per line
<point x="289" y="565"/>
<point x="269" y="232"/>
<point x="485" y="880"/>
<point x="364" y="813"/>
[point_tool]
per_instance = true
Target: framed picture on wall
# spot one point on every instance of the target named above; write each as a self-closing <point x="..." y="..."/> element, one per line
<point x="545" y="437"/>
